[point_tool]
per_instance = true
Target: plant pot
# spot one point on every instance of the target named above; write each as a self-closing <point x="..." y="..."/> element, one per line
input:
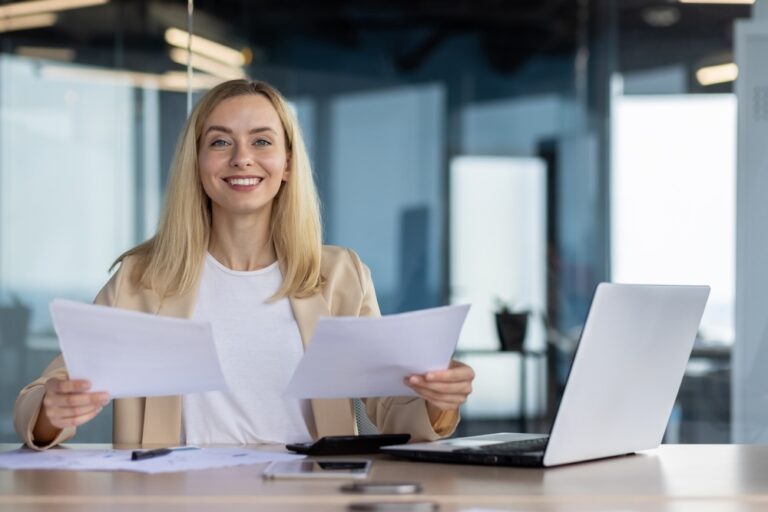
<point x="511" y="328"/>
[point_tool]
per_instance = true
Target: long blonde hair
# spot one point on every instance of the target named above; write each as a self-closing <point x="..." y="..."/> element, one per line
<point x="170" y="262"/>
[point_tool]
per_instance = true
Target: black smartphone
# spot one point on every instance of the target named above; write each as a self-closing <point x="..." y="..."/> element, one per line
<point x="324" y="469"/>
<point x="348" y="445"/>
<point x="382" y="488"/>
<point x="395" y="506"/>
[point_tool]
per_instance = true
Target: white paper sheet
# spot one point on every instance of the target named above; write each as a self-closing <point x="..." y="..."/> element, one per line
<point x="129" y="354"/>
<point x="352" y="357"/>
<point x="120" y="460"/>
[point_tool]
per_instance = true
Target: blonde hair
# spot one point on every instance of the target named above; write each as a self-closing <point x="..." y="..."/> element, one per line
<point x="170" y="262"/>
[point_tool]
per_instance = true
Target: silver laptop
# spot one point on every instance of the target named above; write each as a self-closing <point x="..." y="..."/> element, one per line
<point x="620" y="391"/>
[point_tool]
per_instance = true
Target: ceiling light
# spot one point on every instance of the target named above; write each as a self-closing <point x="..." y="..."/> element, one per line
<point x="719" y="74"/>
<point x="205" y="64"/>
<point x="203" y="46"/>
<point x="175" y="81"/>
<point x="661" y="17"/>
<point x="178" y="80"/>
<point x="46" y="53"/>
<point x="46" y="6"/>
<point x="744" y="2"/>
<point x="27" y="22"/>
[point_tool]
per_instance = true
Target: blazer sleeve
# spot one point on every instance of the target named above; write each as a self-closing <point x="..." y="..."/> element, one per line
<point x="400" y="414"/>
<point x="30" y="400"/>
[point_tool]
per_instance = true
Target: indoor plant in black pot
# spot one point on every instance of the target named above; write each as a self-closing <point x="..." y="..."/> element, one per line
<point x="511" y="324"/>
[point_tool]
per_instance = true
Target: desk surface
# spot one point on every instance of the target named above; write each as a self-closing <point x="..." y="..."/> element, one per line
<point x="675" y="478"/>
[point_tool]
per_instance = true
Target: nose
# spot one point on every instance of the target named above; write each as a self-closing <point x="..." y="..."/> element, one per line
<point x="241" y="159"/>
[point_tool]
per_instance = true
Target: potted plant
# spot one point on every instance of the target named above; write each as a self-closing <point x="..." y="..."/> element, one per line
<point x="511" y="325"/>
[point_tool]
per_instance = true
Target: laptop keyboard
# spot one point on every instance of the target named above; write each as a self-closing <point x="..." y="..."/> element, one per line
<point x="528" y="445"/>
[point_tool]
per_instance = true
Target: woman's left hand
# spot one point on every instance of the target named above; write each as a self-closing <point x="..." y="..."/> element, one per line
<point x="444" y="390"/>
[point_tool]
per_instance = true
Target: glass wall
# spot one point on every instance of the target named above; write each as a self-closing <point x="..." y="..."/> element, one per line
<point x="467" y="152"/>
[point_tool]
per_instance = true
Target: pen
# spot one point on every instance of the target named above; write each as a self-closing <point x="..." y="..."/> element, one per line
<point x="149" y="454"/>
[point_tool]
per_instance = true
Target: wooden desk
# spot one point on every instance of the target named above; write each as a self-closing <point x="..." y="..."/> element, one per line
<point x="674" y="478"/>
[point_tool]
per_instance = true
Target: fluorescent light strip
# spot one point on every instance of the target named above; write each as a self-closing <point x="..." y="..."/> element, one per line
<point x="46" y="53"/>
<point x="27" y="22"/>
<point x="719" y="74"/>
<point x="205" y="64"/>
<point x="175" y="81"/>
<point x="178" y="38"/>
<point x="724" y="2"/>
<point x="44" y="6"/>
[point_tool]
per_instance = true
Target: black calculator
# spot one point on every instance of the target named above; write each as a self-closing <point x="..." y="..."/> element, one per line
<point x="348" y="445"/>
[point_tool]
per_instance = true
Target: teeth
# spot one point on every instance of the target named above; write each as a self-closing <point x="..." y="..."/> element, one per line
<point x="244" y="181"/>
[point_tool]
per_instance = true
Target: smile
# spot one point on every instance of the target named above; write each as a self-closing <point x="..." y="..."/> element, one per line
<point x="243" y="182"/>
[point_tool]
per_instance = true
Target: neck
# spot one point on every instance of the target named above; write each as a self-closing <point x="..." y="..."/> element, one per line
<point x="241" y="242"/>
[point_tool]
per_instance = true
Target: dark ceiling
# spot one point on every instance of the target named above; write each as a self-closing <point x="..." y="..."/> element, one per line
<point x="509" y="33"/>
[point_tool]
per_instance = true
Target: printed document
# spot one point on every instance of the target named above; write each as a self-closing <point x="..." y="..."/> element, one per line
<point x="350" y="357"/>
<point x="61" y="458"/>
<point x="132" y="354"/>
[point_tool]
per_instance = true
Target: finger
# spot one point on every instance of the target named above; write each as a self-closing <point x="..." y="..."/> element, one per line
<point x="458" y="388"/>
<point x="421" y="380"/>
<point x="64" y="413"/>
<point x="69" y="386"/>
<point x="456" y="374"/>
<point x="76" y="421"/>
<point x="75" y="400"/>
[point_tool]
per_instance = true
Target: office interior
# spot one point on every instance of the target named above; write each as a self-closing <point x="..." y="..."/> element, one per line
<point x="510" y="155"/>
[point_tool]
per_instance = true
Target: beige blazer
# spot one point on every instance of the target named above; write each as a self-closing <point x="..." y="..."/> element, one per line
<point x="348" y="291"/>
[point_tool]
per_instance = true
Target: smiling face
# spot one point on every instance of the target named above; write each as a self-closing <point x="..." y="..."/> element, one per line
<point x="242" y="156"/>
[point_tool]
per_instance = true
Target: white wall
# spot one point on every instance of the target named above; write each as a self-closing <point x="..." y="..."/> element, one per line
<point x="498" y="251"/>
<point x="673" y="197"/>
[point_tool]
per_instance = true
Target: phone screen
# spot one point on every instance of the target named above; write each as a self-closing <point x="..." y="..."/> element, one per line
<point x="318" y="469"/>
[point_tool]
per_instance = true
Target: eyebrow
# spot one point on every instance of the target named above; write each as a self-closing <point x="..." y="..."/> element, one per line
<point x="217" y="128"/>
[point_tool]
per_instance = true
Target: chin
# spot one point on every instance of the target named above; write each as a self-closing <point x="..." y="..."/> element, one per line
<point x="242" y="209"/>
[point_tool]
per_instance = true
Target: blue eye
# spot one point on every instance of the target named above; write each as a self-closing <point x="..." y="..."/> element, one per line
<point x="262" y="142"/>
<point x="218" y="143"/>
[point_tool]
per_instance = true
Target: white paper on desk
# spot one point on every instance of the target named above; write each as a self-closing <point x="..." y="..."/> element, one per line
<point x="120" y="460"/>
<point x="129" y="354"/>
<point x="369" y="356"/>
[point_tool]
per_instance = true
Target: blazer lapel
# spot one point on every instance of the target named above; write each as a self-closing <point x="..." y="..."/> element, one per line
<point x="332" y="416"/>
<point x="162" y="414"/>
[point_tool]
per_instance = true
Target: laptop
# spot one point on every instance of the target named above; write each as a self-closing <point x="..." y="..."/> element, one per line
<point x="623" y="382"/>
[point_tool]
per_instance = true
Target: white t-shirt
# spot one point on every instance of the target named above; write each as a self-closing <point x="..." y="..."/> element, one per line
<point x="259" y="346"/>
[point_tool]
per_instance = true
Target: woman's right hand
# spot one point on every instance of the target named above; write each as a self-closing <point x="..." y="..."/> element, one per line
<point x="69" y="403"/>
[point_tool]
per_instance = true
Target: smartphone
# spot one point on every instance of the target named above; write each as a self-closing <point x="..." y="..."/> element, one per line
<point x="344" y="469"/>
<point x="395" y="506"/>
<point x="382" y="487"/>
<point x="348" y="445"/>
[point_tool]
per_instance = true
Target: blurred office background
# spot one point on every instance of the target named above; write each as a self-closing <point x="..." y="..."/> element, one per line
<point x="511" y="154"/>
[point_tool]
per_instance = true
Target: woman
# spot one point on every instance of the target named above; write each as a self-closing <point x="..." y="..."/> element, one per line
<point x="239" y="245"/>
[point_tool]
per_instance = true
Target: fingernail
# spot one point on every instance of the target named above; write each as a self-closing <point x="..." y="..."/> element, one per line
<point x="414" y="379"/>
<point x="430" y="376"/>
